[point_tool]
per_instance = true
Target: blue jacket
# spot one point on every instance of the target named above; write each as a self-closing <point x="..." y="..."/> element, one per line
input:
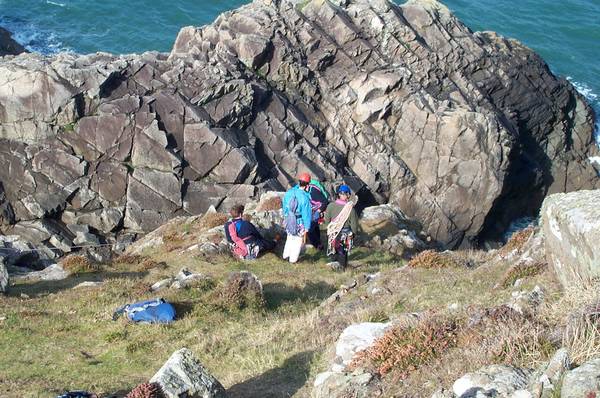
<point x="303" y="211"/>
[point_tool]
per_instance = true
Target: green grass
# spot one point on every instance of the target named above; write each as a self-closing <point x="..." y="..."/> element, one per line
<point x="62" y="338"/>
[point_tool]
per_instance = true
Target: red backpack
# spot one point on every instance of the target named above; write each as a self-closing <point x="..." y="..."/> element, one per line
<point x="240" y="250"/>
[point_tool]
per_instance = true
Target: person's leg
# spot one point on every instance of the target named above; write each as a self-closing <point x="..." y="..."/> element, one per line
<point x="314" y="235"/>
<point x="342" y="257"/>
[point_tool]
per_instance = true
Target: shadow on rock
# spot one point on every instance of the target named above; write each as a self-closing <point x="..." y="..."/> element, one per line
<point x="278" y="294"/>
<point x="280" y="382"/>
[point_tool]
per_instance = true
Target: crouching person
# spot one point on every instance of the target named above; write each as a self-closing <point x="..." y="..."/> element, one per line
<point x="245" y="240"/>
<point x="342" y="223"/>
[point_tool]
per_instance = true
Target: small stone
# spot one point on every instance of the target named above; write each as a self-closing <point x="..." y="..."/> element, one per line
<point x="162" y="284"/>
<point x="88" y="284"/>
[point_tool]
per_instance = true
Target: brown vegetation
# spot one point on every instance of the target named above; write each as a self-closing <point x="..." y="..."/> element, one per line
<point x="517" y="241"/>
<point x="147" y="390"/>
<point x="76" y="264"/>
<point x="212" y="220"/>
<point x="432" y="259"/>
<point x="404" y="349"/>
<point x="270" y="204"/>
<point x="241" y="291"/>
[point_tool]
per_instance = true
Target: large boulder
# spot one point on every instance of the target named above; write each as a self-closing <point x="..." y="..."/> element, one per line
<point x="462" y="131"/>
<point x="571" y="227"/>
<point x="184" y="376"/>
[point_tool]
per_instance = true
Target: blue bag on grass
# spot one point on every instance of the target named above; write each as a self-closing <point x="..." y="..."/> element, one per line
<point x="149" y="311"/>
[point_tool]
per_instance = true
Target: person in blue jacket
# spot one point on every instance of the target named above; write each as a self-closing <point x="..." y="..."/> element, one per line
<point x="297" y="213"/>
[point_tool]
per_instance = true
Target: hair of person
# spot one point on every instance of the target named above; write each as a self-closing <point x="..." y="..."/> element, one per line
<point x="236" y="210"/>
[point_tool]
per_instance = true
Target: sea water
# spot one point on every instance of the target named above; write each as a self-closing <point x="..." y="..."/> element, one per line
<point x="565" y="33"/>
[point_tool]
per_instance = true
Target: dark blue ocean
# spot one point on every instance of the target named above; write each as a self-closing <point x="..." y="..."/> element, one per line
<point x="566" y="32"/>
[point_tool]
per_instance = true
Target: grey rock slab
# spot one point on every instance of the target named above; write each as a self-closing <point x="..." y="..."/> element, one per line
<point x="53" y="272"/>
<point x="571" y="227"/>
<point x="583" y="381"/>
<point x="183" y="375"/>
<point x="492" y="381"/>
<point x="358" y="337"/>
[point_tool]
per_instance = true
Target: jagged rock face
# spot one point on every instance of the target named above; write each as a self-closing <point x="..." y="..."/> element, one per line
<point x="8" y="46"/>
<point x="463" y="131"/>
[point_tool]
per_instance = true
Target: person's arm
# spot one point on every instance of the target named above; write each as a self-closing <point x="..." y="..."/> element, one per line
<point x="253" y="231"/>
<point x="226" y="226"/>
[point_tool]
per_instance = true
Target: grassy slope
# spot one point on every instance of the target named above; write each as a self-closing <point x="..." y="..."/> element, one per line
<point x="61" y="338"/>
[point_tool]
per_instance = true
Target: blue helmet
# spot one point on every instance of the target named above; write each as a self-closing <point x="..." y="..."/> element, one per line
<point x="344" y="189"/>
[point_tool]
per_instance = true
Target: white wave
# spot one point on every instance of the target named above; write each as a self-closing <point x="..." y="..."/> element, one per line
<point x="33" y="38"/>
<point x="584" y="90"/>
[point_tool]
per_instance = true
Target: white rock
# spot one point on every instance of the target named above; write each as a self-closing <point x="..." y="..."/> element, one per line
<point x="162" y="284"/>
<point x="88" y="284"/>
<point x="571" y="227"/>
<point x="183" y="376"/>
<point x="358" y="337"/>
<point x="492" y="381"/>
<point x="521" y="394"/>
<point x="583" y="381"/>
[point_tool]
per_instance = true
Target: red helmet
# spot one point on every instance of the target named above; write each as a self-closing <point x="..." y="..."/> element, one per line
<point x="304" y="177"/>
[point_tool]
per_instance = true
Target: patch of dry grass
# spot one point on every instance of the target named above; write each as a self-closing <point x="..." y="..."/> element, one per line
<point x="270" y="204"/>
<point x="432" y="259"/>
<point x="576" y="313"/>
<point x="212" y="220"/>
<point x="76" y="264"/>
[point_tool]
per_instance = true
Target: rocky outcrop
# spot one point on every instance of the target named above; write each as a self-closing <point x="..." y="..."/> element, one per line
<point x="492" y="381"/>
<point x="570" y="225"/>
<point x="182" y="375"/>
<point x="8" y="46"/>
<point x="463" y="131"/>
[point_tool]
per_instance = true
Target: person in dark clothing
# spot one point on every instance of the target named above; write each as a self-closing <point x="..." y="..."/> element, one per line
<point x="318" y="202"/>
<point x="245" y="239"/>
<point x="342" y="224"/>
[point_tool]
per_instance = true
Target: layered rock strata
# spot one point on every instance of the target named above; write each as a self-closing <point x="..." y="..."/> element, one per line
<point x="463" y="131"/>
